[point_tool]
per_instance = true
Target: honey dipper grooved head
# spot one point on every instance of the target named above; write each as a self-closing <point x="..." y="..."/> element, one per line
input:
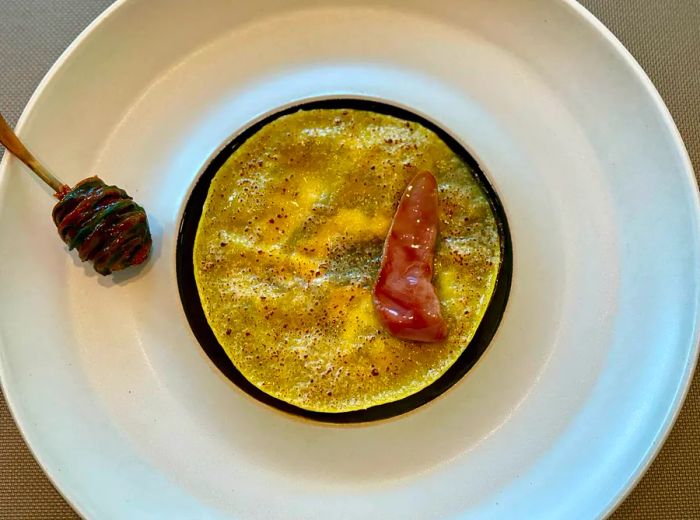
<point x="104" y="224"/>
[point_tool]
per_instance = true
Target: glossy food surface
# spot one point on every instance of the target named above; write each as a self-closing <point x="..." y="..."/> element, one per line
<point x="104" y="224"/>
<point x="404" y="295"/>
<point x="289" y="247"/>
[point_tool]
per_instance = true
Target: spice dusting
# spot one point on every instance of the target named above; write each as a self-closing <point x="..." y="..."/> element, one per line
<point x="289" y="246"/>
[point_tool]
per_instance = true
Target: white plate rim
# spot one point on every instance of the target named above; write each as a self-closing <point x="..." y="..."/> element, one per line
<point x="687" y="379"/>
<point x="690" y="178"/>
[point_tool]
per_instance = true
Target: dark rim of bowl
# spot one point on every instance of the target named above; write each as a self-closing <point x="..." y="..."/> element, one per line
<point x="192" y="305"/>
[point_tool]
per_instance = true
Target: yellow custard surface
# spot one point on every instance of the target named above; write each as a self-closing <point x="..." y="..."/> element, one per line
<point x="289" y="245"/>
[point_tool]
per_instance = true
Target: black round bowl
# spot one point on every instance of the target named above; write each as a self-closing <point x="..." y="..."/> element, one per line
<point x="197" y="320"/>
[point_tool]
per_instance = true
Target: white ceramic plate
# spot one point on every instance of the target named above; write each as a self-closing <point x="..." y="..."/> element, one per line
<point x="560" y="416"/>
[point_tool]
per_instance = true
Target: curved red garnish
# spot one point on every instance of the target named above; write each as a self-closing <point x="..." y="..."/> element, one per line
<point x="404" y="296"/>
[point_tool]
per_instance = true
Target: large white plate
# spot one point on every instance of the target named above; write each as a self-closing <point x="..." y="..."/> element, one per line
<point x="568" y="405"/>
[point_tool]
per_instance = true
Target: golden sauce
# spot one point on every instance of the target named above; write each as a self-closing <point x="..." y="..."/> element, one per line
<point x="289" y="244"/>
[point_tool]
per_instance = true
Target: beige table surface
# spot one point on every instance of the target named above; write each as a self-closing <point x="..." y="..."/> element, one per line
<point x="664" y="36"/>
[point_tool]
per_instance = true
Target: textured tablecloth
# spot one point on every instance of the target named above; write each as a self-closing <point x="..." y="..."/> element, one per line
<point x="664" y="36"/>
